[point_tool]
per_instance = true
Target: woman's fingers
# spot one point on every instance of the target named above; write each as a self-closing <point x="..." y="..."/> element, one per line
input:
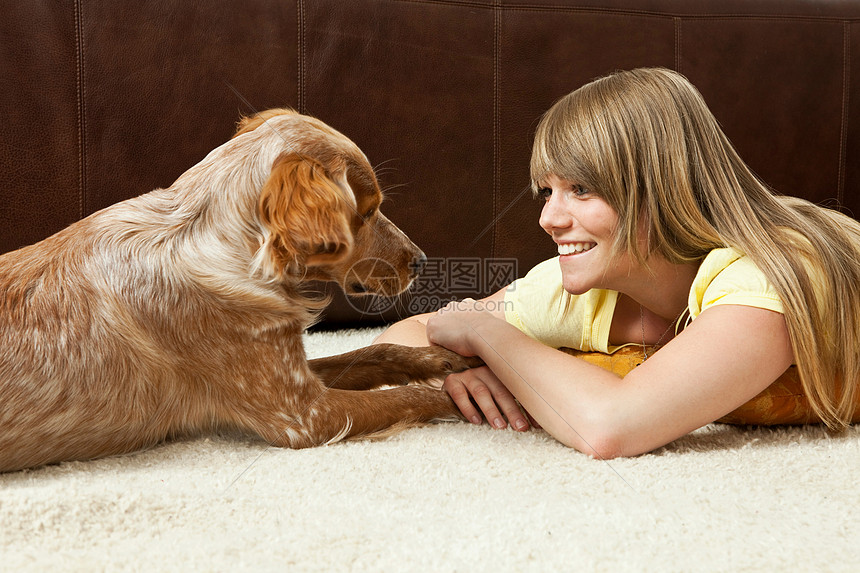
<point x="478" y="391"/>
<point x="455" y="388"/>
<point x="486" y="401"/>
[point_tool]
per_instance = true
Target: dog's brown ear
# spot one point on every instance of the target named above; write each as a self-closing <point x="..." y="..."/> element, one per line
<point x="252" y="122"/>
<point x="307" y="215"/>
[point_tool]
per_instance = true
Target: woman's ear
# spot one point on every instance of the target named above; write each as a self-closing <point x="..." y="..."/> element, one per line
<point x="306" y="214"/>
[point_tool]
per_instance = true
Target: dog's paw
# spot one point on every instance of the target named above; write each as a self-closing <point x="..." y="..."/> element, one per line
<point x="439" y="362"/>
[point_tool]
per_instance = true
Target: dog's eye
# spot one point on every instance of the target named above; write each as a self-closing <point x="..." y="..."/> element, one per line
<point x="369" y="213"/>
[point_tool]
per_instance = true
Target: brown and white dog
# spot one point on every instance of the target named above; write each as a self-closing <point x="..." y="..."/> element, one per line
<point x="181" y="311"/>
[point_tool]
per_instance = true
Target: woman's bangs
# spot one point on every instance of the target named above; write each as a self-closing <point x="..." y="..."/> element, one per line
<point x="558" y="149"/>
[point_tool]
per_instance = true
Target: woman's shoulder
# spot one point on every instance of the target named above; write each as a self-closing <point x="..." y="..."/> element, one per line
<point x="728" y="276"/>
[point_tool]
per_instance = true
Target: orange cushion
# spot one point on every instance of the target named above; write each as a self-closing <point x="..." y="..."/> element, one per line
<point x="781" y="403"/>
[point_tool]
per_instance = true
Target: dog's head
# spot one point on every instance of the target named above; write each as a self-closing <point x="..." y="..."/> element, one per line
<point x="319" y="211"/>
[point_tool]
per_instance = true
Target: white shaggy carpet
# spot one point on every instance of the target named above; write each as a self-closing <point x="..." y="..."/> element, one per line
<point x="448" y="497"/>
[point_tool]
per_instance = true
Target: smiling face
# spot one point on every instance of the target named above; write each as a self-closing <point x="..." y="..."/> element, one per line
<point x="584" y="227"/>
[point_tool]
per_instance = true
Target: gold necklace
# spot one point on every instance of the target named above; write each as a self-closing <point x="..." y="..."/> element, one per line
<point x="662" y="336"/>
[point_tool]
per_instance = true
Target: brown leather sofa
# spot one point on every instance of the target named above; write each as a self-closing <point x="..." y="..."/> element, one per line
<point x="105" y="100"/>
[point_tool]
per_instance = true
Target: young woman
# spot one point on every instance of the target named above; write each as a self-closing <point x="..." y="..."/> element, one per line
<point x="665" y="237"/>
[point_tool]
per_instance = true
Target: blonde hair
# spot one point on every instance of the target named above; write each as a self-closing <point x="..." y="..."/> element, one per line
<point x="646" y="142"/>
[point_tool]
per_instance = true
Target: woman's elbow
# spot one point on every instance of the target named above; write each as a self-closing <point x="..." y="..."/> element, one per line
<point x="603" y="437"/>
<point x="602" y="446"/>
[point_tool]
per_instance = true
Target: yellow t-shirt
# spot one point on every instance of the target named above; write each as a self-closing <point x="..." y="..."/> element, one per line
<point x="538" y="305"/>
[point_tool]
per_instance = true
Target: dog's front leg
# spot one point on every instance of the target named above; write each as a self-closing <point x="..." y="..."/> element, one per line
<point x="389" y="365"/>
<point x="334" y="415"/>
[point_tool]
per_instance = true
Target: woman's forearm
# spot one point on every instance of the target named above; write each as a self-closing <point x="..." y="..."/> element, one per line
<point x="411" y="331"/>
<point x="568" y="397"/>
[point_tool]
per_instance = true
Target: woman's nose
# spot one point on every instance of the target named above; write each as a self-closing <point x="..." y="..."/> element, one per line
<point x="553" y="216"/>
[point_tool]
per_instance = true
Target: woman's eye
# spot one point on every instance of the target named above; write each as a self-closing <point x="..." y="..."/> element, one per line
<point x="575" y="190"/>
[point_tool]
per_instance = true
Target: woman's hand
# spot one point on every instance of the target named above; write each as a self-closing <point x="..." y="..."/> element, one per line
<point x="454" y="326"/>
<point x="476" y="391"/>
<point x="480" y="387"/>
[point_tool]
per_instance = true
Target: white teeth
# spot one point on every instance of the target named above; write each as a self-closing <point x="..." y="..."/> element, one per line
<point x="570" y="248"/>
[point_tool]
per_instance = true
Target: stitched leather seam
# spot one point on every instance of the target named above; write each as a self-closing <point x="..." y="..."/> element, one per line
<point x="497" y="47"/>
<point x="846" y="85"/>
<point x="710" y="17"/>
<point x="82" y="122"/>
<point x="678" y="23"/>
<point x="630" y="12"/>
<point x="300" y="57"/>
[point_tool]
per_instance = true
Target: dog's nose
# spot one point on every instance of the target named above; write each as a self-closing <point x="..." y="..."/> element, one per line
<point x="418" y="263"/>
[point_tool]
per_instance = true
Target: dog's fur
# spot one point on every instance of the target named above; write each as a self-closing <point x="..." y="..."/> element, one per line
<point x="181" y="311"/>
